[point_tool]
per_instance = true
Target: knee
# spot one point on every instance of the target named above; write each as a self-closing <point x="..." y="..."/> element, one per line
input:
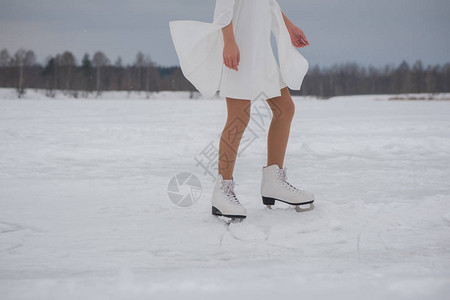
<point x="286" y="111"/>
<point x="291" y="110"/>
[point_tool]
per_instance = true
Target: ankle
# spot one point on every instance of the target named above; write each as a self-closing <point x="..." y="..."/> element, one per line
<point x="227" y="177"/>
<point x="280" y="166"/>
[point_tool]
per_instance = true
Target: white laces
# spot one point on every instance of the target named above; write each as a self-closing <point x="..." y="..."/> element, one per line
<point x="228" y="187"/>
<point x="282" y="176"/>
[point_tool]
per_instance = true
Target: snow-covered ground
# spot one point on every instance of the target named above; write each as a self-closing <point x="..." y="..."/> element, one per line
<point x="85" y="211"/>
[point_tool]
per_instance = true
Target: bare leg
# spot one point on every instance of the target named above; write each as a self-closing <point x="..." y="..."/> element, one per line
<point x="283" y="109"/>
<point x="237" y="120"/>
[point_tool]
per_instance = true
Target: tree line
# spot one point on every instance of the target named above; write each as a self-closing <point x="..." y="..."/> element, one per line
<point x="98" y="73"/>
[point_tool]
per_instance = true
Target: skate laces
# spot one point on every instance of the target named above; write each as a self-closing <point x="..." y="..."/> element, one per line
<point x="228" y="187"/>
<point x="282" y="174"/>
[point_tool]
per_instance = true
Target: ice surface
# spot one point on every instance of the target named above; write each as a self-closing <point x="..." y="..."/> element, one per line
<point x="85" y="213"/>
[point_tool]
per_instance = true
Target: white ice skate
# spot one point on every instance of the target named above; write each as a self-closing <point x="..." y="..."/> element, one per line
<point x="224" y="200"/>
<point x="274" y="187"/>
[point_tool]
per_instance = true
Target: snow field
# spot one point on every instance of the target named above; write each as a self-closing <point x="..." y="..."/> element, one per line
<point x="84" y="209"/>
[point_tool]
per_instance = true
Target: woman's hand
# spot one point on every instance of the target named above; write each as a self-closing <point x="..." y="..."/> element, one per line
<point x="298" y="38"/>
<point x="231" y="55"/>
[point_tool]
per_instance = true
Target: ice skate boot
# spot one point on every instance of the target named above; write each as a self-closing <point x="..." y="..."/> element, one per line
<point x="224" y="200"/>
<point x="275" y="187"/>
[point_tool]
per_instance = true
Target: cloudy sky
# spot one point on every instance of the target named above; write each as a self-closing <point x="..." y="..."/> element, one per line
<point x="370" y="32"/>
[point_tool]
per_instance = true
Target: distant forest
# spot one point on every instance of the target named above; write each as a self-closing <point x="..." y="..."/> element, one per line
<point x="99" y="73"/>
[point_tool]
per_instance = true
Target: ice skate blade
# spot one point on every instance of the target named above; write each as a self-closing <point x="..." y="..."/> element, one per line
<point x="299" y="209"/>
<point x="269" y="202"/>
<point x="234" y="218"/>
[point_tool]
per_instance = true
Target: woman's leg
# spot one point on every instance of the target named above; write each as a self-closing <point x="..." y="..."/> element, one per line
<point x="283" y="109"/>
<point x="238" y="117"/>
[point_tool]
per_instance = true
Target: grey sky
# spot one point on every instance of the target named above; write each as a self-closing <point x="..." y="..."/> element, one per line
<point x="372" y="32"/>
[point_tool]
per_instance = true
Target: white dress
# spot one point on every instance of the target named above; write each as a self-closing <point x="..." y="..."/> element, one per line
<point x="199" y="46"/>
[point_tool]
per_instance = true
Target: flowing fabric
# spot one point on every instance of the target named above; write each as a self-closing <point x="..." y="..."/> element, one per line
<point x="199" y="46"/>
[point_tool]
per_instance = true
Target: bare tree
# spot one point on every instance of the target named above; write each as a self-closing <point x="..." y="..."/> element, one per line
<point x="99" y="60"/>
<point x="87" y="71"/>
<point x="431" y="78"/>
<point x="150" y="73"/>
<point x="118" y="73"/>
<point x="18" y="61"/>
<point x="139" y="63"/>
<point x="5" y="63"/>
<point x="118" y="62"/>
<point x="49" y="74"/>
<point x="23" y="58"/>
<point x="5" y="58"/>
<point x="418" y="77"/>
<point x="68" y="62"/>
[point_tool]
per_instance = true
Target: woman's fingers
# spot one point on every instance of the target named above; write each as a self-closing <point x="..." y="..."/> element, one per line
<point x="238" y="59"/>
<point x="231" y="55"/>
<point x="298" y="37"/>
<point x="227" y="62"/>
<point x="300" y="42"/>
<point x="235" y="63"/>
<point x="232" y="62"/>
<point x="304" y="39"/>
